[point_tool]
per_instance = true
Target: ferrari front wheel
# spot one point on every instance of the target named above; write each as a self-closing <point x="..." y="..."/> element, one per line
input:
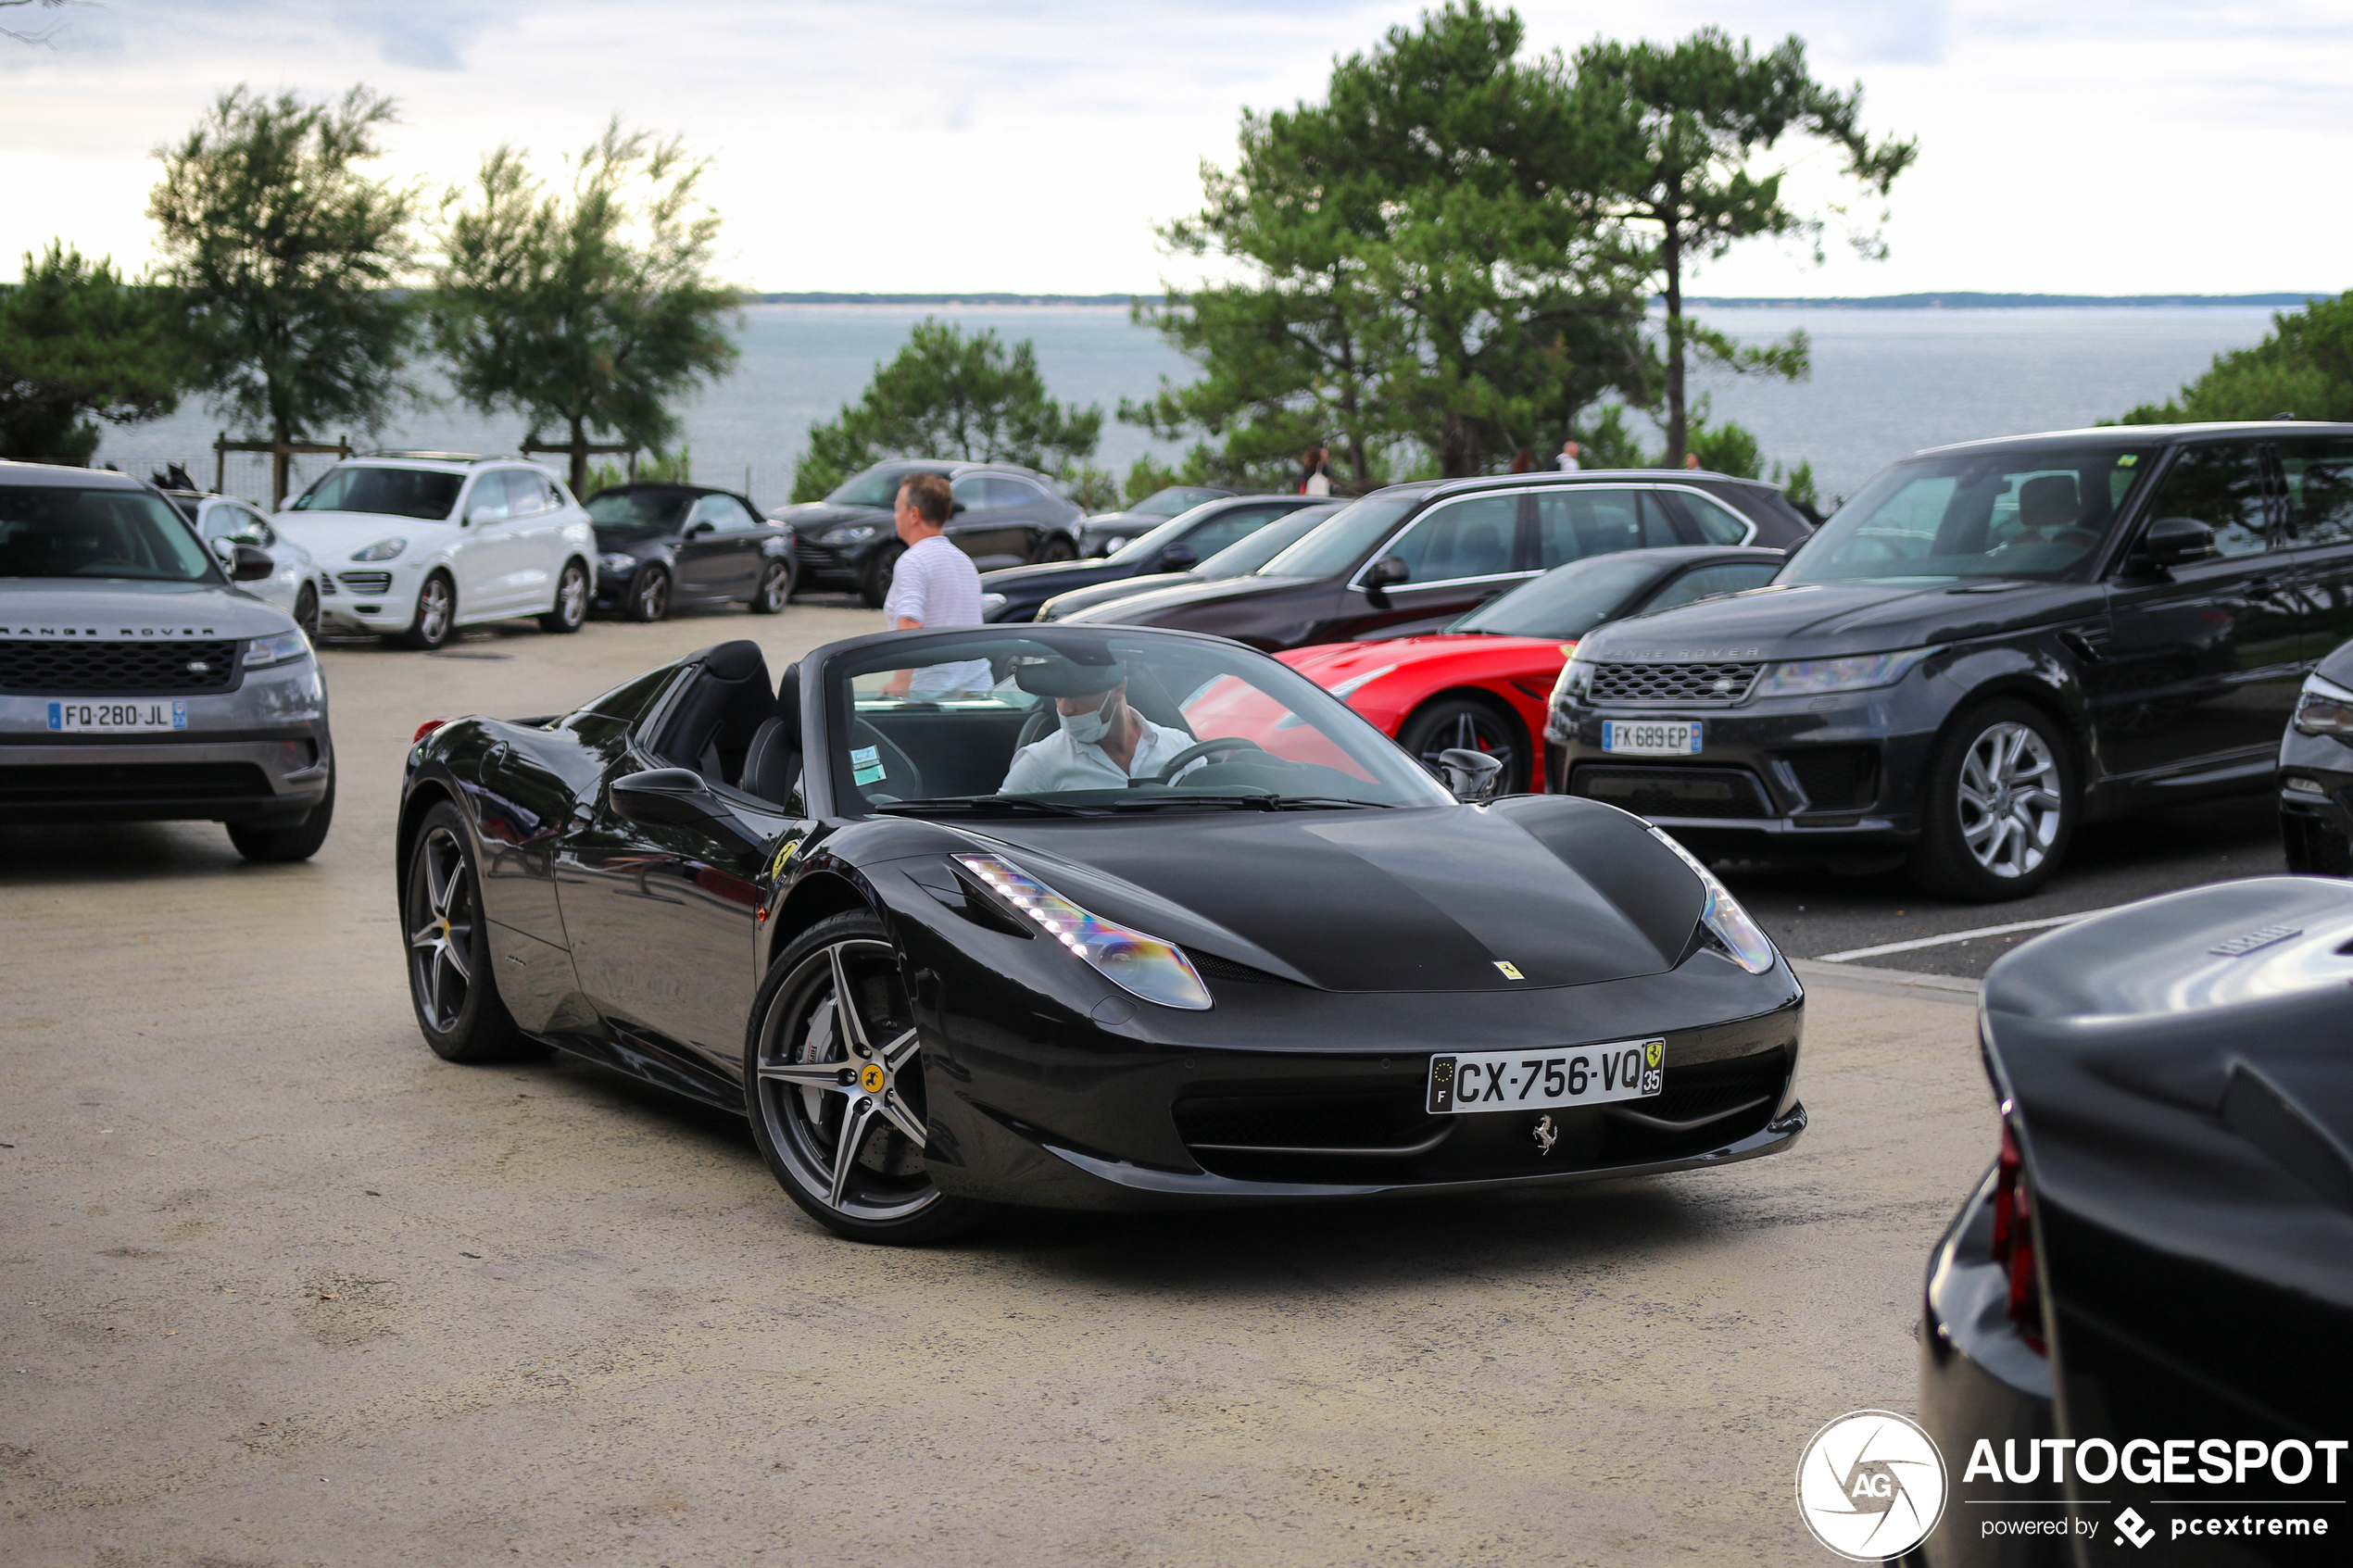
<point x="833" y="1073"/>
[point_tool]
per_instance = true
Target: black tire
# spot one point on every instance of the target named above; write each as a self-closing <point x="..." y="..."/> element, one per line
<point x="436" y="619"/>
<point x="807" y="1091"/>
<point x="451" y="985"/>
<point x="1446" y="722"/>
<point x="305" y="612"/>
<point x="572" y="600"/>
<point x="873" y="582"/>
<point x="2001" y="805"/>
<point x="647" y="599"/>
<point x="776" y="589"/>
<point x="298" y="841"/>
<point x="1055" y="547"/>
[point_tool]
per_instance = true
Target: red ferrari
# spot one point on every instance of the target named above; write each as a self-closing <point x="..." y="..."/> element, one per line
<point x="1484" y="682"/>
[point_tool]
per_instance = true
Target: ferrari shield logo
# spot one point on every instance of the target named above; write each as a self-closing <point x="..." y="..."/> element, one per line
<point x="1511" y="970"/>
<point x="1655" y="1054"/>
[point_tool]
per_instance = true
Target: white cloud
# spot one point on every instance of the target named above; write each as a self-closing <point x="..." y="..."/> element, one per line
<point x="912" y="144"/>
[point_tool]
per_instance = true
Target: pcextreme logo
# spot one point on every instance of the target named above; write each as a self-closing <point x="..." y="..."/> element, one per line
<point x="1870" y="1485"/>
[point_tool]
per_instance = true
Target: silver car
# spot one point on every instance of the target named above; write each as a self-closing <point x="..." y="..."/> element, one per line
<point x="139" y="684"/>
<point x="226" y="522"/>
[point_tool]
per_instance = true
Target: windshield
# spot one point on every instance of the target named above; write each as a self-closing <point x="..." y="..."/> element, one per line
<point x="1176" y="498"/>
<point x="639" y="511"/>
<point x="1080" y="721"/>
<point x="416" y="492"/>
<point x="1253" y="552"/>
<point x="64" y="532"/>
<point x="2039" y="514"/>
<point x="1145" y="548"/>
<point x="1567" y="601"/>
<point x="1336" y="545"/>
<point x="878" y="486"/>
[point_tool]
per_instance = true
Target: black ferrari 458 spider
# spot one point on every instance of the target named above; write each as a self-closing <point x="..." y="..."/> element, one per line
<point x="1082" y="918"/>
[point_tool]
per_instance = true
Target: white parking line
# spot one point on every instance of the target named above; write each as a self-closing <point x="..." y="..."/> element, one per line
<point x="1919" y="941"/>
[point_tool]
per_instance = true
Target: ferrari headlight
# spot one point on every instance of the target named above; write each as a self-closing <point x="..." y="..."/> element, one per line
<point x="1153" y="968"/>
<point x="856" y="534"/>
<point x="1808" y="677"/>
<point x="382" y="550"/>
<point x="1742" y="940"/>
<point x="284" y="648"/>
<point x="617" y="564"/>
<point x="2323" y="707"/>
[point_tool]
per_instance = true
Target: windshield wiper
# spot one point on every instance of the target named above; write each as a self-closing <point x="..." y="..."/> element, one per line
<point x="1249" y="802"/>
<point x="1322" y="802"/>
<point x="1016" y="803"/>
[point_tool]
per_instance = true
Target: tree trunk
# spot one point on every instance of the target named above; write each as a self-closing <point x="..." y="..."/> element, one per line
<point x="579" y="460"/>
<point x="1672" y="256"/>
<point x="280" y="432"/>
<point x="1458" y="447"/>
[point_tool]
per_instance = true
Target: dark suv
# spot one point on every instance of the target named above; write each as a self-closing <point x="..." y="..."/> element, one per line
<point x="1987" y="646"/>
<point x="1005" y="516"/>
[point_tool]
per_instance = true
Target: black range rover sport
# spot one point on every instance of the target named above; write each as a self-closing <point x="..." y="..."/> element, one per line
<point x="1989" y="645"/>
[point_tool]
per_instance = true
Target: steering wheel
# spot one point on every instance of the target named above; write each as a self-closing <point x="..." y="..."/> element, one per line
<point x="1193" y="752"/>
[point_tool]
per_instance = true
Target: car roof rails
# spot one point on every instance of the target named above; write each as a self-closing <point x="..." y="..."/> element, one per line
<point x="443" y="456"/>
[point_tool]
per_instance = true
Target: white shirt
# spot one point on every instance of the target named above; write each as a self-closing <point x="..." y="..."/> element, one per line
<point x="1568" y="464"/>
<point x="1059" y="763"/>
<point x="935" y="585"/>
<point x="1318" y="484"/>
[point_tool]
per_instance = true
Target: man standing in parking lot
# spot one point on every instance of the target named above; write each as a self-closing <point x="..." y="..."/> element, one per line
<point x="934" y="584"/>
<point x="1567" y="461"/>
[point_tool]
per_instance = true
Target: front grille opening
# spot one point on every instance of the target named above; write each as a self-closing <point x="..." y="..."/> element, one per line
<point x="368" y="582"/>
<point x="77" y="669"/>
<point x="1710" y="686"/>
<point x="1727" y="794"/>
<point x="100" y="783"/>
<point x="1749" y="1087"/>
<point x="1837" y="778"/>
<point x="2314" y="846"/>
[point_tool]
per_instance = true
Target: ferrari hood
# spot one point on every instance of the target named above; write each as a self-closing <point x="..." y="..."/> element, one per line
<point x="1827" y="620"/>
<point x="1328" y="664"/>
<point x="1532" y="892"/>
<point x="89" y="609"/>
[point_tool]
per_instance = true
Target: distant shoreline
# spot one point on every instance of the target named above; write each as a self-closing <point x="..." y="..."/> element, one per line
<point x="1951" y="301"/>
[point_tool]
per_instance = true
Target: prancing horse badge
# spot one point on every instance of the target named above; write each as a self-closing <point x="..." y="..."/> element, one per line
<point x="1546" y="1135"/>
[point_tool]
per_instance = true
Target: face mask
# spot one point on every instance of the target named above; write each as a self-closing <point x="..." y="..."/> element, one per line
<point x="1089" y="728"/>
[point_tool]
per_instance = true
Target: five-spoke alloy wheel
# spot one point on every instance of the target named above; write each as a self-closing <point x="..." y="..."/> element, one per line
<point x="832" y="1070"/>
<point x="450" y="981"/>
<point x="571" y="612"/>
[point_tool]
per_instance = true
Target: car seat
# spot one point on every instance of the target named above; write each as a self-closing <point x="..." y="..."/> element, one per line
<point x="715" y="722"/>
<point x="772" y="763"/>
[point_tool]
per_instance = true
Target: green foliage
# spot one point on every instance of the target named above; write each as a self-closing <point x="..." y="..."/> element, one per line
<point x="1725" y="448"/>
<point x="1089" y="488"/>
<point x="2304" y="368"/>
<point x="77" y="344"/>
<point x="1423" y="271"/>
<point x="286" y="258"/>
<point x="591" y="312"/>
<point x="1799" y="487"/>
<point x="656" y="468"/>
<point x="1680" y="127"/>
<point x="950" y="395"/>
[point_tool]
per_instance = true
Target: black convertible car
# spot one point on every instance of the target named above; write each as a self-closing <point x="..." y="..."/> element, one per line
<point x="1081" y="919"/>
<point x="662" y="544"/>
<point x="2136" y="1326"/>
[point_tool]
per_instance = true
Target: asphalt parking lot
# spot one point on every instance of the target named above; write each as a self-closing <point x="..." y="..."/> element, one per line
<point x="282" y="1287"/>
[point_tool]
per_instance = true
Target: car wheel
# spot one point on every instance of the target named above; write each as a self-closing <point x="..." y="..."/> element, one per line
<point x="298" y="842"/>
<point x="2001" y="806"/>
<point x="572" y="601"/>
<point x="1471" y="724"/>
<point x="451" y="983"/>
<point x="1057" y="547"/>
<point x="874" y="584"/>
<point x="649" y="594"/>
<point x="436" y="614"/>
<point x="833" y="1069"/>
<point x="305" y="612"/>
<point x="774" y="590"/>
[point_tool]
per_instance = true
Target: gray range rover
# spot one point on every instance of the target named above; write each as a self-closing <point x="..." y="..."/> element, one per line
<point x="138" y="682"/>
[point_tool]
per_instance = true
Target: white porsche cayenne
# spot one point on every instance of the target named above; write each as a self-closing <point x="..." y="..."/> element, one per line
<point x="416" y="545"/>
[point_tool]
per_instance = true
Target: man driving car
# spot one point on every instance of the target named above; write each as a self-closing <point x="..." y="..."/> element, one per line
<point x="1098" y="740"/>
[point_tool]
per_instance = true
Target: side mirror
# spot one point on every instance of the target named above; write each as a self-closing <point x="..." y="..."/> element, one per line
<point x="483" y="513"/>
<point x="249" y="565"/>
<point x="1387" y="572"/>
<point x="706" y="526"/>
<point x="668" y="798"/>
<point x="1179" y="557"/>
<point x="2170" y="541"/>
<point x="1472" y="775"/>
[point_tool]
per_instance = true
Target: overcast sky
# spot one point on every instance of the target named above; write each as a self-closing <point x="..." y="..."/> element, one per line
<point x="2096" y="146"/>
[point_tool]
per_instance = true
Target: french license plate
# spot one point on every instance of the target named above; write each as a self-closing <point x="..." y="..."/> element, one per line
<point x="1476" y="1081"/>
<point x="116" y="718"/>
<point x="1651" y="737"/>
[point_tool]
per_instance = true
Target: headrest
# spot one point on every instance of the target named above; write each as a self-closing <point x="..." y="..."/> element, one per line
<point x="788" y="701"/>
<point x="1056" y="675"/>
<point x="733" y="661"/>
<point x="2046" y="501"/>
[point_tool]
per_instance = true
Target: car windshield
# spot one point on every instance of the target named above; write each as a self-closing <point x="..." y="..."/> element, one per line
<point x="1176" y="498"/>
<point x="1251" y="552"/>
<point x="878" y="486"/>
<point x="2036" y="513"/>
<point x="66" y="531"/>
<point x="1338" y="546"/>
<point x="418" y="492"/>
<point x="1078" y="722"/>
<point x="639" y="511"/>
<point x="1567" y="601"/>
<point x="1145" y="548"/>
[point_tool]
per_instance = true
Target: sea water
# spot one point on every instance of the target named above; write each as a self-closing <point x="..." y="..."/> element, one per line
<point x="1884" y="382"/>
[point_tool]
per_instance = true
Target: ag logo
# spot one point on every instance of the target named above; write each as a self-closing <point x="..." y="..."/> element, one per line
<point x="1870" y="1485"/>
